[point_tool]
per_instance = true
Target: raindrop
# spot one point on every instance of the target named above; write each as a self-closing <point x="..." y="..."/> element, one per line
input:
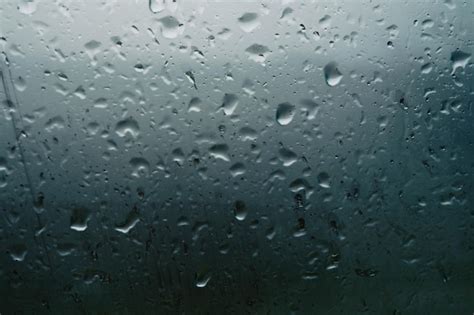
<point x="325" y="21"/>
<point x="129" y="223"/>
<point x="258" y="53"/>
<point x="140" y="166"/>
<point x="27" y="6"/>
<point x="324" y="180"/>
<point x="92" y="48"/>
<point x="332" y="74"/>
<point x="240" y="210"/>
<point x="300" y="184"/>
<point x="459" y="60"/>
<point x="79" y="219"/>
<point x="170" y="27"/>
<point x="194" y="105"/>
<point x="202" y="279"/>
<point x="190" y="76"/>
<point x="127" y="126"/>
<point x="100" y="103"/>
<point x="178" y="156"/>
<point x="288" y="157"/>
<point x="65" y="249"/>
<point x="247" y="134"/>
<point x="311" y="108"/>
<point x="286" y="13"/>
<point x="229" y="103"/>
<point x="248" y="22"/>
<point x="285" y="113"/>
<point x="20" y="84"/>
<point x="56" y="122"/>
<point x="156" y="6"/>
<point x="237" y="169"/>
<point x="18" y="252"/>
<point x="220" y="151"/>
<point x="426" y="68"/>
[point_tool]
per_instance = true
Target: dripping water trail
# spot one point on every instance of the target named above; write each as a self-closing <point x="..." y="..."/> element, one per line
<point x="12" y="103"/>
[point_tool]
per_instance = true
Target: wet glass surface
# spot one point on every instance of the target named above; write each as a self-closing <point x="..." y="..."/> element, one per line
<point x="237" y="157"/>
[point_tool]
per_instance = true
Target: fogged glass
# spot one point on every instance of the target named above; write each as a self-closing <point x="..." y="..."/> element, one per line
<point x="236" y="157"/>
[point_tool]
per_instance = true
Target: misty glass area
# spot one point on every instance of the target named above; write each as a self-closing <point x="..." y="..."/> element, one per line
<point x="236" y="157"/>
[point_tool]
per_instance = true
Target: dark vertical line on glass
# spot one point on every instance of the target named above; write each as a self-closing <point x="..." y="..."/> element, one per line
<point x="18" y="130"/>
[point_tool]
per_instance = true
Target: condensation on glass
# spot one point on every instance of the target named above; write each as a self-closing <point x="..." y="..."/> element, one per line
<point x="241" y="157"/>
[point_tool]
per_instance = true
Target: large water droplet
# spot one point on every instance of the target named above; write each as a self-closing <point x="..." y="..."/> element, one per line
<point x="311" y="108"/>
<point x="20" y="84"/>
<point x="79" y="219"/>
<point x="285" y="113"/>
<point x="101" y="102"/>
<point x="195" y="105"/>
<point x="27" y="6"/>
<point x="257" y="53"/>
<point x="202" y="279"/>
<point x="300" y="184"/>
<point x="459" y="60"/>
<point x="288" y="157"/>
<point x="332" y="74"/>
<point x="92" y="48"/>
<point x="156" y="6"/>
<point x="140" y="166"/>
<point x="127" y="126"/>
<point x="324" y="180"/>
<point x="248" y="22"/>
<point x="57" y="122"/>
<point x="191" y="78"/>
<point x="170" y="27"/>
<point x="229" y="103"/>
<point x="325" y="21"/>
<point x="18" y="252"/>
<point x="247" y="134"/>
<point x="237" y="169"/>
<point x="220" y="151"/>
<point x="129" y="223"/>
<point x="240" y="210"/>
<point x="65" y="249"/>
